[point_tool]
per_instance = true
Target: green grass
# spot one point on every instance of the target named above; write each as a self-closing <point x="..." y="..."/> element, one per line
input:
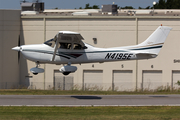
<point x="76" y="92"/>
<point x="90" y="113"/>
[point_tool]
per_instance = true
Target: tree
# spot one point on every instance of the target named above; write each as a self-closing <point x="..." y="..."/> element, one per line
<point x="178" y="83"/>
<point x="168" y="4"/>
<point x="95" y="7"/>
<point x="162" y="4"/>
<point x="127" y="7"/>
<point x="87" y="6"/>
<point x="148" y="7"/>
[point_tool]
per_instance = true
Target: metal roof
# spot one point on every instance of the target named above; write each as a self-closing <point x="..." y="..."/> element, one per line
<point x="68" y="32"/>
<point x="26" y="4"/>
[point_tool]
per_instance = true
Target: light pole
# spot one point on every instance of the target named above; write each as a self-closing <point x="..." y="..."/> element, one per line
<point x="154" y="3"/>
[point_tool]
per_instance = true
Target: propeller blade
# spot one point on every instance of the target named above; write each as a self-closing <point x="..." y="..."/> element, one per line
<point x="19" y="44"/>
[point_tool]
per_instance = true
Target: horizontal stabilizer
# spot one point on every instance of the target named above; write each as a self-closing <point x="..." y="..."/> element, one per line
<point x="146" y="55"/>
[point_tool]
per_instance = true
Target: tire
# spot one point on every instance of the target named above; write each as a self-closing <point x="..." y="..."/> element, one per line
<point x="35" y="73"/>
<point x="66" y="73"/>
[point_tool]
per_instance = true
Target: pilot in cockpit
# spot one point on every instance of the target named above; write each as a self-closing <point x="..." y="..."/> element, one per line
<point x="63" y="45"/>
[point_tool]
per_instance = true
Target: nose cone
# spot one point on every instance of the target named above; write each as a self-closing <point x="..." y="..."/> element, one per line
<point x="16" y="48"/>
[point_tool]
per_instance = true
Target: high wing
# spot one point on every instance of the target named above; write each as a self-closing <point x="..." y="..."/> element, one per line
<point x="67" y="37"/>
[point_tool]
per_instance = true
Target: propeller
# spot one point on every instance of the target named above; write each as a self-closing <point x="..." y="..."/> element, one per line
<point x="19" y="44"/>
<point x="18" y="48"/>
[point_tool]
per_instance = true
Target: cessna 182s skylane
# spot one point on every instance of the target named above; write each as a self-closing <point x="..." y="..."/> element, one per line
<point x="67" y="48"/>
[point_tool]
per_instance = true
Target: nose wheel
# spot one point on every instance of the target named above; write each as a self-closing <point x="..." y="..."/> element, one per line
<point x="35" y="73"/>
<point x="66" y="73"/>
<point x="37" y="65"/>
<point x="36" y="70"/>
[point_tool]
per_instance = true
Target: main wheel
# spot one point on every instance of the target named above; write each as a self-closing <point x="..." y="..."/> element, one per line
<point x="66" y="73"/>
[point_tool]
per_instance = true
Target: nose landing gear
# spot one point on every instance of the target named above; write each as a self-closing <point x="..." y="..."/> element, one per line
<point x="36" y="70"/>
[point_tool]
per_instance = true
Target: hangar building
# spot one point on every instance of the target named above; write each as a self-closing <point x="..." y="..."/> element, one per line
<point x="99" y="30"/>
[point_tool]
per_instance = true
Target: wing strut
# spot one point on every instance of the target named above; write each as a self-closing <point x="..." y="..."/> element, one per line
<point x="56" y="47"/>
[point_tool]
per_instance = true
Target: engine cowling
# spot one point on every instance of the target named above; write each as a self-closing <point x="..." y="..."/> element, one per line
<point x="67" y="69"/>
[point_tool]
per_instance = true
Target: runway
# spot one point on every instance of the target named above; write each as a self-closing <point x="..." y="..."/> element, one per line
<point x="89" y="100"/>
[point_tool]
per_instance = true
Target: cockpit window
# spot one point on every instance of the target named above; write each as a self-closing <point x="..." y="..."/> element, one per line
<point x="78" y="47"/>
<point x="65" y="45"/>
<point x="84" y="47"/>
<point x="50" y="43"/>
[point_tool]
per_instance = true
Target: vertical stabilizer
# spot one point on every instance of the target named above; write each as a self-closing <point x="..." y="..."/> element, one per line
<point x="155" y="41"/>
<point x="157" y="37"/>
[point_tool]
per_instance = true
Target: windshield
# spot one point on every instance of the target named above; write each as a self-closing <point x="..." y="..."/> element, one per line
<point x="50" y="42"/>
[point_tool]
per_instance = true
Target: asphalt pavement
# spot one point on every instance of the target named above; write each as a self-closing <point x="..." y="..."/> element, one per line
<point x="89" y="100"/>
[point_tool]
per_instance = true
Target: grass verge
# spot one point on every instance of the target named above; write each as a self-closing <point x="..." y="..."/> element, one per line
<point x="90" y="113"/>
<point x="76" y="92"/>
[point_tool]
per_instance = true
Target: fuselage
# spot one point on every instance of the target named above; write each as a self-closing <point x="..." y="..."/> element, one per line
<point x="43" y="53"/>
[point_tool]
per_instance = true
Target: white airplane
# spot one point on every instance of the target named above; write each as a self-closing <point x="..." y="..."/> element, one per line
<point x="67" y="48"/>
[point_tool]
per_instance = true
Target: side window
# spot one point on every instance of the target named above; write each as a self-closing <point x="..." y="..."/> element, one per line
<point x="84" y="47"/>
<point x="77" y="46"/>
<point x="65" y="45"/>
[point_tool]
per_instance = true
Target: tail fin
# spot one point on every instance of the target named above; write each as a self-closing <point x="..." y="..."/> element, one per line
<point x="155" y="41"/>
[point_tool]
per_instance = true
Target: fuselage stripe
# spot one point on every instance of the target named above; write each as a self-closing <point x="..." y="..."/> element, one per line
<point x="147" y="48"/>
